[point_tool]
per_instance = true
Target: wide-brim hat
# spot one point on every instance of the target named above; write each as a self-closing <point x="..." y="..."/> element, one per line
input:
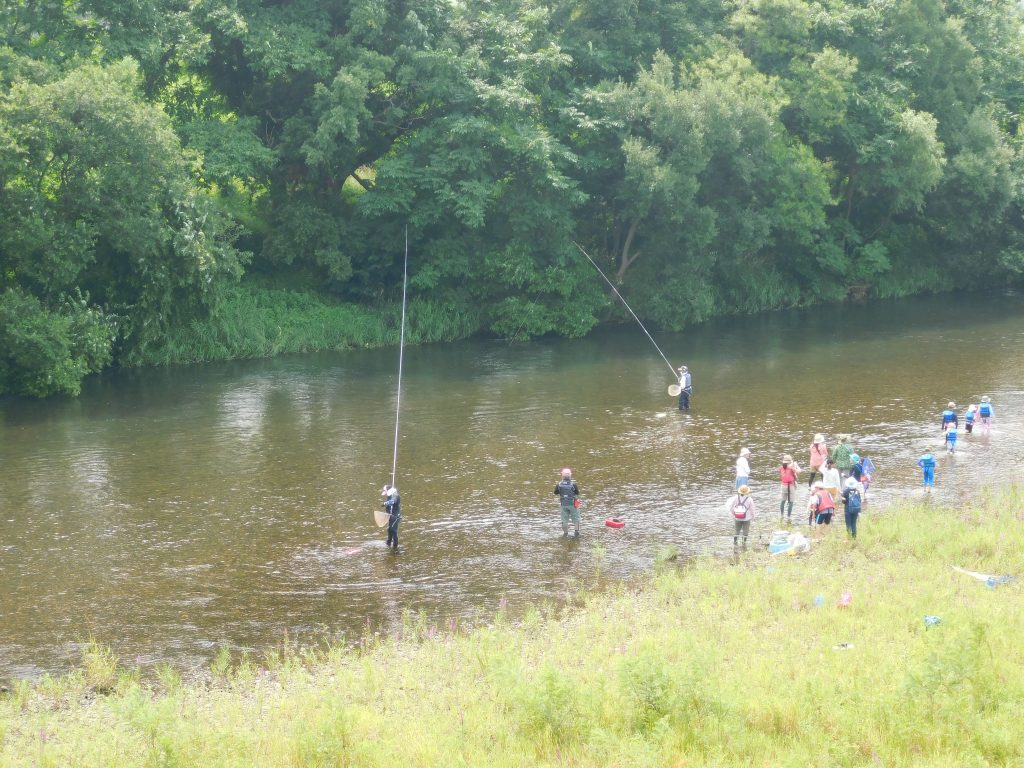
<point x="787" y="459"/>
<point x="743" y="490"/>
<point x="985" y="399"/>
<point x="819" y="438"/>
<point x="951" y="404"/>
<point x="744" y="451"/>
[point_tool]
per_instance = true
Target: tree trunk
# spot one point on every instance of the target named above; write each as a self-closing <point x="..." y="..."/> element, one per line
<point x="627" y="257"/>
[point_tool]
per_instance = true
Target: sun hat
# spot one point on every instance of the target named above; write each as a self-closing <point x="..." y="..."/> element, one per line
<point x="851" y="483"/>
<point x="743" y="490"/>
<point x="819" y="438"/>
<point x="854" y="457"/>
<point x="744" y="451"/>
<point x="389" y="490"/>
<point x="787" y="459"/>
<point x="951" y="404"/>
<point x="985" y="399"/>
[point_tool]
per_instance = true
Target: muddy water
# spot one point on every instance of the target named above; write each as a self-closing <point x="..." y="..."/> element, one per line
<point x="168" y="513"/>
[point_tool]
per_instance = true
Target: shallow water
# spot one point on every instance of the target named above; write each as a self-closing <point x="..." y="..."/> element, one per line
<point x="169" y="512"/>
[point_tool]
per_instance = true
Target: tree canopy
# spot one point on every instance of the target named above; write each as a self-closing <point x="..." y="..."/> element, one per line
<point x="157" y="157"/>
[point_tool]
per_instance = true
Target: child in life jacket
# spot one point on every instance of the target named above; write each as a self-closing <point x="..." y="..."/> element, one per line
<point x="821" y="504"/>
<point x="927" y="465"/>
<point x="949" y="416"/>
<point x="951" y="435"/>
<point x="986" y="412"/>
<point x="971" y="412"/>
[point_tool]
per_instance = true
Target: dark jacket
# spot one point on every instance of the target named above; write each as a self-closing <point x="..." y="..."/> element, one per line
<point x="567" y="491"/>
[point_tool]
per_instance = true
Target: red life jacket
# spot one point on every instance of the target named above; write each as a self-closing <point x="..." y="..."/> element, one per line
<point x="825" y="501"/>
<point x="788" y="475"/>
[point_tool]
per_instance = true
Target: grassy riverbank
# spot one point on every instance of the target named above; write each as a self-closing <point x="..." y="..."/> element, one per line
<point x="253" y="322"/>
<point x="709" y="664"/>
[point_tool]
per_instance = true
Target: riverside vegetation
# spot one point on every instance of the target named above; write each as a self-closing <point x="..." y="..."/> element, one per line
<point x="188" y="180"/>
<point x="708" y="664"/>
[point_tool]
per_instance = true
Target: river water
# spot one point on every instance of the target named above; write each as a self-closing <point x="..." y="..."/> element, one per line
<point x="168" y="513"/>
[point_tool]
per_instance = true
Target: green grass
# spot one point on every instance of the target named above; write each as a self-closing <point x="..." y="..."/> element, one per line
<point x="710" y="663"/>
<point x="253" y="322"/>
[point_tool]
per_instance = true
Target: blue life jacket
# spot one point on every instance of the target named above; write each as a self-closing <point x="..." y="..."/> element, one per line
<point x="927" y="461"/>
<point x="969" y="416"/>
<point x="951" y="434"/>
<point x="985" y="409"/>
<point x="948" y="416"/>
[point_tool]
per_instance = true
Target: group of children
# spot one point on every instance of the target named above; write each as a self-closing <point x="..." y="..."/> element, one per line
<point x="843" y="473"/>
<point x="982" y="413"/>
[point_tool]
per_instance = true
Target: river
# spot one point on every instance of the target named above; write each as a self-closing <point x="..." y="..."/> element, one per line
<point x="167" y="513"/>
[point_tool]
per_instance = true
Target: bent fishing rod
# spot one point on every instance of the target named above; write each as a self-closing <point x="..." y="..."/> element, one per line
<point x="611" y="285"/>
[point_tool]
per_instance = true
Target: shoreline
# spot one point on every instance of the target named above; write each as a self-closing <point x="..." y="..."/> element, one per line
<point x="708" y="662"/>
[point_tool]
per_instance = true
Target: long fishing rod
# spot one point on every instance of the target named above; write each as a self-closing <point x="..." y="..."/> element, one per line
<point x="401" y="355"/>
<point x="626" y="305"/>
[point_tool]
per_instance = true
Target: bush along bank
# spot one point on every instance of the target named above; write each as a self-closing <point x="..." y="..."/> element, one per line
<point x="753" y="663"/>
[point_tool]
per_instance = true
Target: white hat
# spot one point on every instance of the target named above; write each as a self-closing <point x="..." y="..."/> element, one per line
<point x="851" y="483"/>
<point x="389" y="490"/>
<point x="951" y="404"/>
<point x="818" y="484"/>
<point x="819" y="438"/>
<point x="744" y="451"/>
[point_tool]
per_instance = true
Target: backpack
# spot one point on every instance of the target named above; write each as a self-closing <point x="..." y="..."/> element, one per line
<point x="739" y="509"/>
<point x="853" y="500"/>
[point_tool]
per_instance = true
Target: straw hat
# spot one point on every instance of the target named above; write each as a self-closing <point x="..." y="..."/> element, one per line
<point x="743" y="490"/>
<point x="787" y="459"/>
<point x="951" y="404"/>
<point x="819" y="438"/>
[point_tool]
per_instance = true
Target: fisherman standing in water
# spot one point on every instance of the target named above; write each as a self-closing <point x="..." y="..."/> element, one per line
<point x="568" y="494"/>
<point x="393" y="506"/>
<point x="685" y="388"/>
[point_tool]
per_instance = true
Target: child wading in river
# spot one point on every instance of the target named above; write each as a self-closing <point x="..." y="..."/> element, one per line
<point x="927" y="465"/>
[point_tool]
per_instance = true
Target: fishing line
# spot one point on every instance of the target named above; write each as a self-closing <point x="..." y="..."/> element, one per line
<point x="675" y="373"/>
<point x="401" y="355"/>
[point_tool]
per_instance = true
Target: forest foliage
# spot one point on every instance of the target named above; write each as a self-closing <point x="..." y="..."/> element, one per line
<point x="172" y="170"/>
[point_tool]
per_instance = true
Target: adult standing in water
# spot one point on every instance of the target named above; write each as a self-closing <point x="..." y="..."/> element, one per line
<point x="568" y="495"/>
<point x="841" y="455"/>
<point x="819" y="452"/>
<point x="685" y="388"/>
<point x="741" y="508"/>
<point x="393" y="506"/>
<point x="742" y="468"/>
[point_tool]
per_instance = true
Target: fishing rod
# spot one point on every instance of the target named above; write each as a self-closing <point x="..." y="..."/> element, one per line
<point x="401" y="355"/>
<point x="675" y="374"/>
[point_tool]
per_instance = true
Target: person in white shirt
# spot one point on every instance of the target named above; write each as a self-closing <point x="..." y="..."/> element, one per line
<point x="742" y="468"/>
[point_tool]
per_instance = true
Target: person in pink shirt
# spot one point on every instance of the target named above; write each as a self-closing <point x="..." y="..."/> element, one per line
<point x="788" y="474"/>
<point x="819" y="452"/>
